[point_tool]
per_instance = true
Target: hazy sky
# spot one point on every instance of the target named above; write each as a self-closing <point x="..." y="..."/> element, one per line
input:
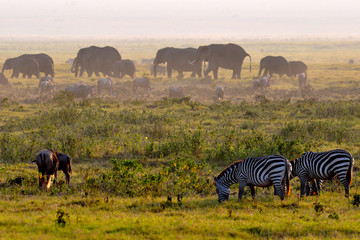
<point x="182" y="18"/>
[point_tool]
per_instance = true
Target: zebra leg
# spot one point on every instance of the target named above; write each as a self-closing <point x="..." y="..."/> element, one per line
<point x="319" y="183"/>
<point x="279" y="190"/>
<point x="302" y="188"/>
<point x="242" y="186"/>
<point x="252" y="188"/>
<point x="345" y="183"/>
<point x="307" y="189"/>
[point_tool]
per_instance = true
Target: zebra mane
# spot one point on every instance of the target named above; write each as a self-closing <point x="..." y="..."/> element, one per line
<point x="227" y="168"/>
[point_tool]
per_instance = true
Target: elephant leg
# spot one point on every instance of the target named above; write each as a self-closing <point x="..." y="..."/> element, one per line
<point x="215" y="73"/>
<point x="169" y="70"/>
<point x="239" y="73"/>
<point x="82" y="70"/>
<point x="234" y="74"/>
<point x="266" y="71"/>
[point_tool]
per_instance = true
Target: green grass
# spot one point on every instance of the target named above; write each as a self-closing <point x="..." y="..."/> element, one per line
<point x="131" y="154"/>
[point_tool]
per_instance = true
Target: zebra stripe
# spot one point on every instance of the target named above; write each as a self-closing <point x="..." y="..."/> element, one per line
<point x="323" y="166"/>
<point x="255" y="172"/>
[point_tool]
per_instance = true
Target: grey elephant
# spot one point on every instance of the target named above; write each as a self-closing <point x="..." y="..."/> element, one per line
<point x="124" y="67"/>
<point x="45" y="62"/>
<point x="96" y="60"/>
<point x="228" y="56"/>
<point x="297" y="67"/>
<point x="274" y="64"/>
<point x="28" y="66"/>
<point x="177" y="59"/>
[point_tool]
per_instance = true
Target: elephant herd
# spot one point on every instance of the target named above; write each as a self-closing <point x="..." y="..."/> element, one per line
<point x="107" y="60"/>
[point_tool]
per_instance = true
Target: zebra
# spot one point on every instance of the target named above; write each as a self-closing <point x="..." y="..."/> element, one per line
<point x="255" y="172"/>
<point x="321" y="166"/>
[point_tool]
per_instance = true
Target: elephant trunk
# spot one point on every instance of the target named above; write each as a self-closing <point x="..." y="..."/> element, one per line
<point x="154" y="66"/>
<point x="75" y="67"/>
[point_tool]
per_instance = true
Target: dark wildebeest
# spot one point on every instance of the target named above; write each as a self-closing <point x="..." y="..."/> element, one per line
<point x="144" y="83"/>
<point x="64" y="165"/>
<point x="176" y="92"/>
<point x="48" y="164"/>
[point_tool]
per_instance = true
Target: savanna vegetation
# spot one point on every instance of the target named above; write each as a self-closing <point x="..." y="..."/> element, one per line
<point x="143" y="167"/>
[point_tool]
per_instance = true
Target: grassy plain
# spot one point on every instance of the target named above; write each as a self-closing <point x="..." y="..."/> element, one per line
<point x="143" y="167"/>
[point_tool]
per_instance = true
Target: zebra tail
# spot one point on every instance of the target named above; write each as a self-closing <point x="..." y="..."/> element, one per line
<point x="349" y="172"/>
<point x="69" y="162"/>
<point x="287" y="175"/>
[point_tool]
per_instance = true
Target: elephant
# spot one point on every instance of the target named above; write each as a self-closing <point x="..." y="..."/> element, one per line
<point x="177" y="59"/>
<point x="28" y="66"/>
<point x="45" y="62"/>
<point x="124" y="67"/>
<point x="228" y="56"/>
<point x="274" y="64"/>
<point x="95" y="59"/>
<point x="297" y="67"/>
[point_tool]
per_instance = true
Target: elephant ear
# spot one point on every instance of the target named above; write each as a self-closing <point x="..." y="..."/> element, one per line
<point x="204" y="52"/>
<point x="167" y="54"/>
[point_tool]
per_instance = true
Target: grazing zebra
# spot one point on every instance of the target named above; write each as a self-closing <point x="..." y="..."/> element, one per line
<point x="255" y="172"/>
<point x="323" y="166"/>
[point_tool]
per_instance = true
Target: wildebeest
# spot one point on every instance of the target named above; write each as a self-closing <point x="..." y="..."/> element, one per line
<point x="64" y="165"/>
<point x="46" y="87"/>
<point x="3" y="79"/>
<point x="48" y="164"/>
<point x="297" y="67"/>
<point x="144" y="83"/>
<point x="219" y="93"/>
<point x="176" y="92"/>
<point x="302" y="78"/>
<point x="265" y="82"/>
<point x="80" y="90"/>
<point x="261" y="83"/>
<point x="105" y="84"/>
<point x="256" y="84"/>
<point x="159" y="69"/>
<point x="351" y="61"/>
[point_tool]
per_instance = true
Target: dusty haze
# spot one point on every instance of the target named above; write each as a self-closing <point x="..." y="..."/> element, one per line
<point x="186" y="18"/>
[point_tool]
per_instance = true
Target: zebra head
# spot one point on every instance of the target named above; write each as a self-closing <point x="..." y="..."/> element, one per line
<point x="222" y="191"/>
